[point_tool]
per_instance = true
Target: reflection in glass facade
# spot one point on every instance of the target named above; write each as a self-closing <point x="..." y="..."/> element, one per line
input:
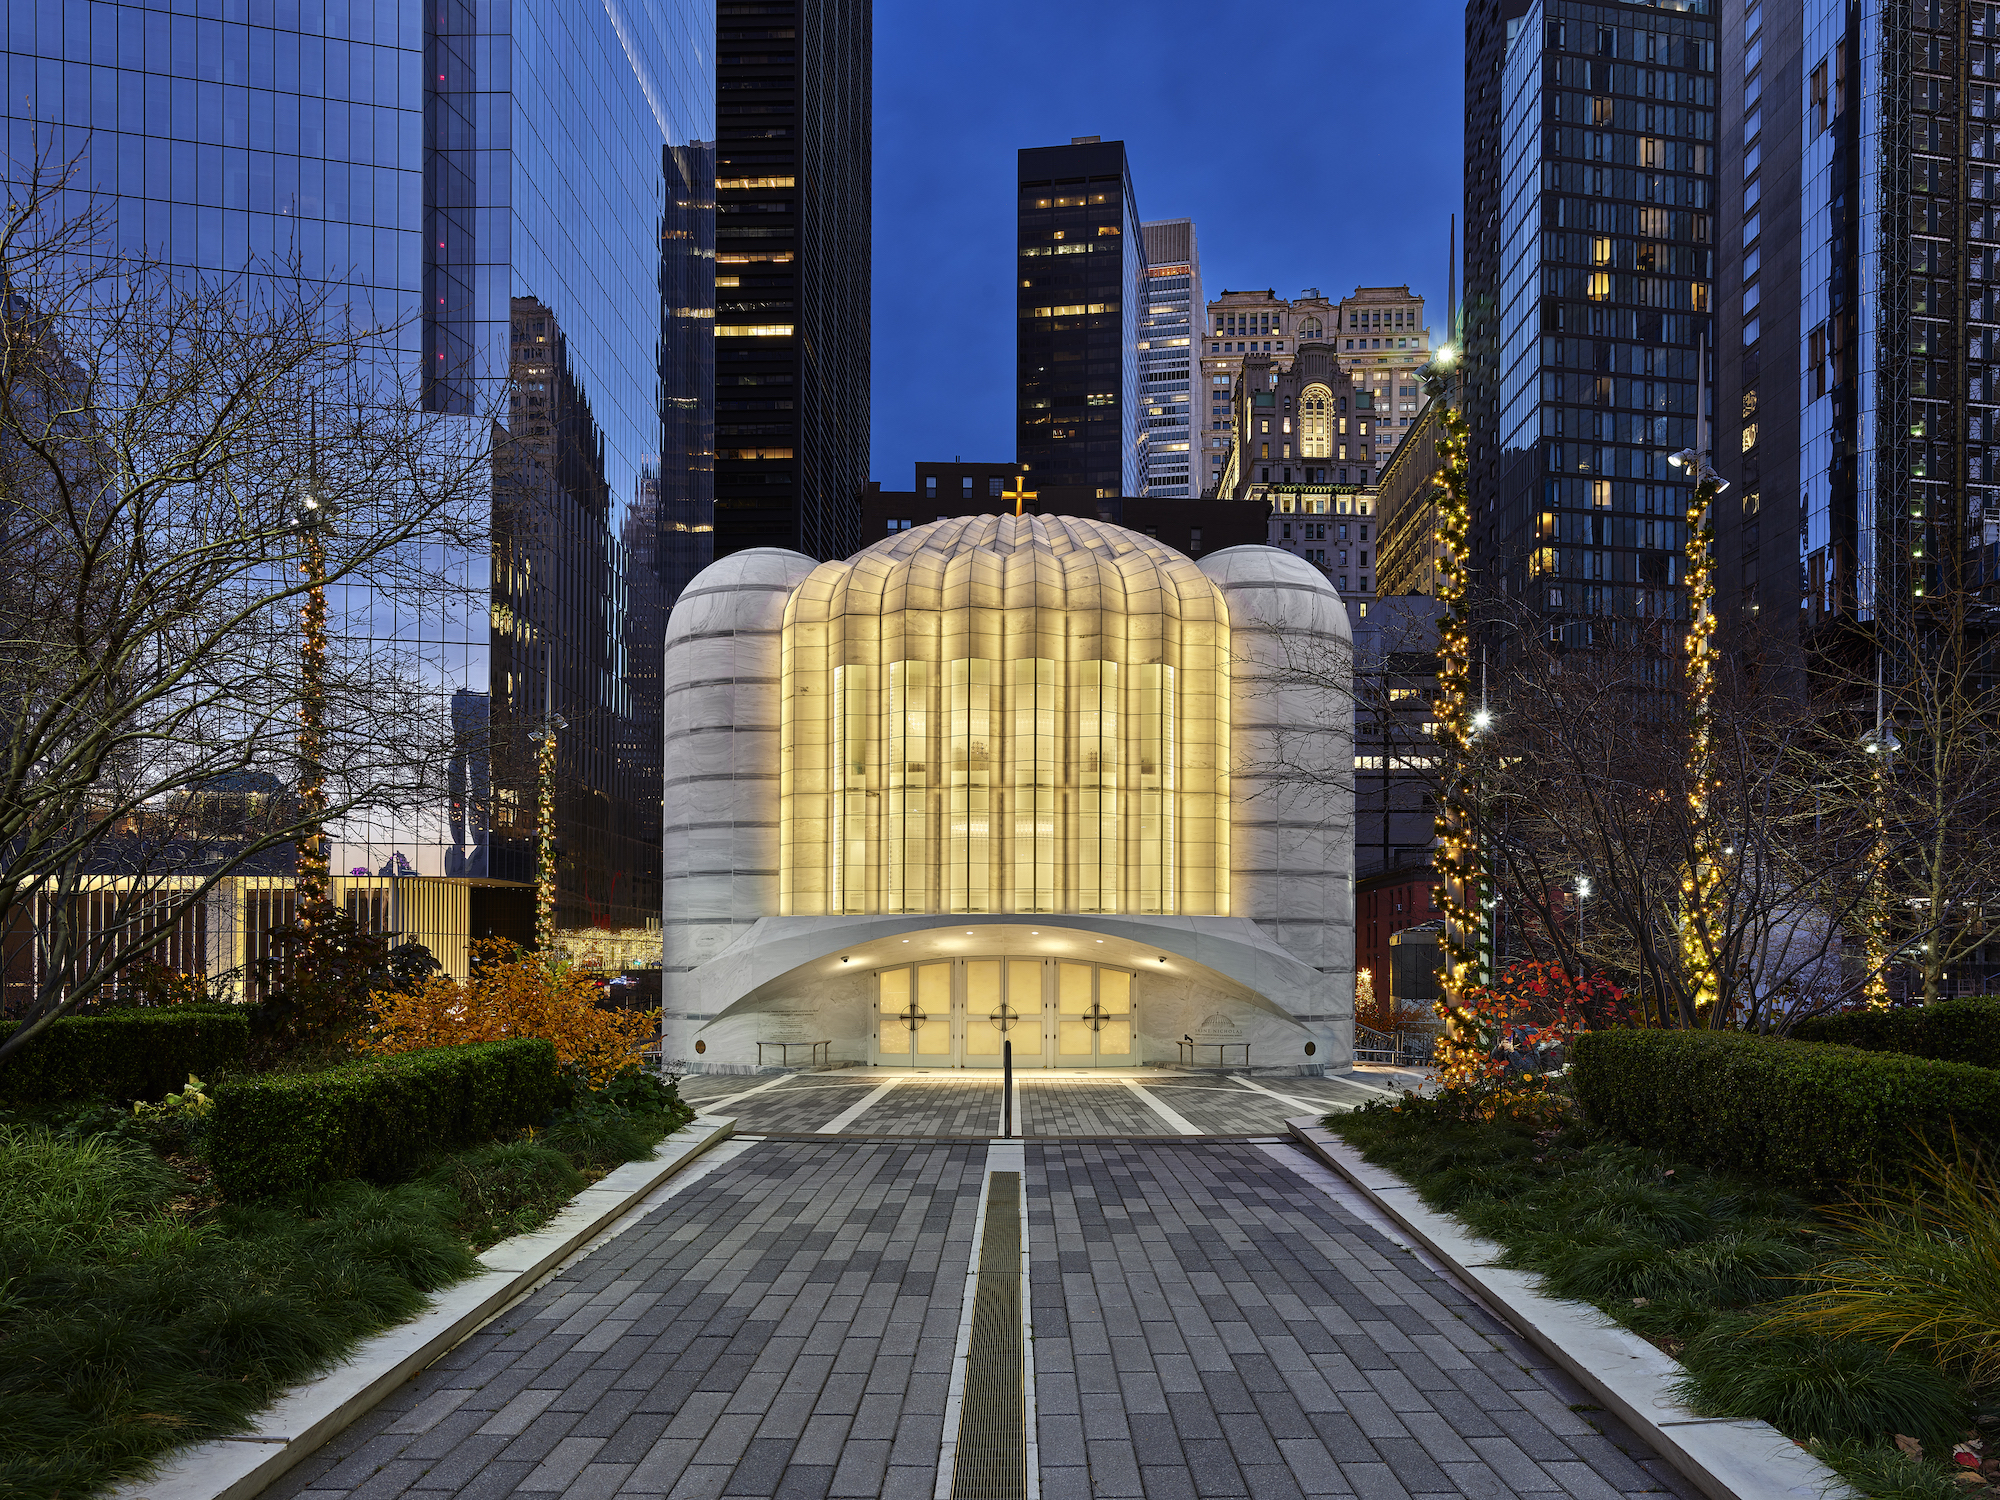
<point x="1894" y="239"/>
<point x="527" y="191"/>
<point x="1582" y="329"/>
<point x="1080" y="291"/>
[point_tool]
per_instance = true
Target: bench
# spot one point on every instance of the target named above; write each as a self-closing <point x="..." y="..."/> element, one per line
<point x="1189" y="1046"/>
<point x="822" y="1053"/>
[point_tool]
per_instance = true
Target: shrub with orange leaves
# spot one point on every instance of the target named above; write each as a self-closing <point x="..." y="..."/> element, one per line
<point x="512" y="993"/>
<point x="1505" y="1044"/>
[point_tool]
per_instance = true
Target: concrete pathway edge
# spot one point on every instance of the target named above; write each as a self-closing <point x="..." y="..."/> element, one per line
<point x="1727" y="1459"/>
<point x="298" y="1422"/>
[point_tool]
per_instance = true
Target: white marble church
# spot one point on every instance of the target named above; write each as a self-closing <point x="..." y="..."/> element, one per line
<point x="1030" y="779"/>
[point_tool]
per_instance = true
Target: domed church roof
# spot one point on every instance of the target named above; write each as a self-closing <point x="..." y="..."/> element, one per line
<point x="1012" y="587"/>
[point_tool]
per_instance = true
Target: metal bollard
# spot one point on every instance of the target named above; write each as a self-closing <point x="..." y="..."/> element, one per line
<point x="1007" y="1090"/>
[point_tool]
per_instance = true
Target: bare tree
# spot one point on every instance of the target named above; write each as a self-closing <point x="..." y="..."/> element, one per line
<point x="220" y="499"/>
<point x="1918" y="686"/>
<point x="1608" y="859"/>
<point x="1578" y="788"/>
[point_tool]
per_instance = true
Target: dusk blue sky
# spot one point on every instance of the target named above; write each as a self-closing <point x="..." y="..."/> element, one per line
<point x="1312" y="144"/>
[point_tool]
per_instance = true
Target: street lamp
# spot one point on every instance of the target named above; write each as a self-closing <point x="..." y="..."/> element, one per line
<point x="309" y="516"/>
<point x="1700" y="467"/>
<point x="1880" y="744"/>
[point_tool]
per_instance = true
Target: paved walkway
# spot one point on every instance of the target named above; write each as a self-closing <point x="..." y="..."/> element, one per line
<point x="1067" y="1105"/>
<point x="791" y="1318"/>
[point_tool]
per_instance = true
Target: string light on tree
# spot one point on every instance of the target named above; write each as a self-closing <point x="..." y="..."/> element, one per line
<point x="313" y="876"/>
<point x="1461" y="868"/>
<point x="544" y="736"/>
<point x="1880" y="745"/>
<point x="1701" y="880"/>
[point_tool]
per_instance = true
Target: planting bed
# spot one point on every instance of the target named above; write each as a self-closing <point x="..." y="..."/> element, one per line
<point x="1704" y="1264"/>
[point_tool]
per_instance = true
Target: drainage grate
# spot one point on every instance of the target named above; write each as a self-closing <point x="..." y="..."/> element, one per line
<point x="992" y="1458"/>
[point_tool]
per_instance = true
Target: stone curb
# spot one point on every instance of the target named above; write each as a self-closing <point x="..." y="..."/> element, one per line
<point x="1726" y="1458"/>
<point x="298" y="1422"/>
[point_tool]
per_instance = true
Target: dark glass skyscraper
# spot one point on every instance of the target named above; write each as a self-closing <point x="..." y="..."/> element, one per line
<point x="527" y="190"/>
<point x="1860" y="344"/>
<point x="1080" y="297"/>
<point x="1590" y="257"/>
<point x="795" y="92"/>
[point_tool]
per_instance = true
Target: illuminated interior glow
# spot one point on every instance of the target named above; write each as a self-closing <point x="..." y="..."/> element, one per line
<point x="1005" y="714"/>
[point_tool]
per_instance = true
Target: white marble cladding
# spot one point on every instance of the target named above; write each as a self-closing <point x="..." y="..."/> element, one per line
<point x="720" y="797"/>
<point x="1292" y="760"/>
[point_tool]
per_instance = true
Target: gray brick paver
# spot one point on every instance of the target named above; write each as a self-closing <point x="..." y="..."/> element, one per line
<point x="1208" y="1322"/>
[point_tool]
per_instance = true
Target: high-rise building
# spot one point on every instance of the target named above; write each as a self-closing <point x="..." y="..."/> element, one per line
<point x="1407" y="548"/>
<point x="1167" y="359"/>
<point x="1856" y="342"/>
<point x="1241" y="324"/>
<point x="792" y="265"/>
<point x="1081" y="286"/>
<point x="1761" y="174"/>
<point x="1590" y="255"/>
<point x="528" y="188"/>
<point x="1383" y="341"/>
<point x="1297" y="426"/>
<point x="1378" y="333"/>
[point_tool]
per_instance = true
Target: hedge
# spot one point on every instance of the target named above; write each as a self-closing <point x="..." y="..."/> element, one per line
<point x="1799" y="1114"/>
<point x="1960" y="1031"/>
<point x="123" y="1055"/>
<point x="377" y="1120"/>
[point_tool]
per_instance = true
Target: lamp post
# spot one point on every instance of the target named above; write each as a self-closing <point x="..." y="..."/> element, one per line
<point x="1880" y="745"/>
<point x="1701" y="882"/>
<point x="1461" y="864"/>
<point x="312" y="875"/>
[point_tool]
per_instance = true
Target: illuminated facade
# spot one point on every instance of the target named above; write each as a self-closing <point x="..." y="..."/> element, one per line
<point x="1031" y="778"/>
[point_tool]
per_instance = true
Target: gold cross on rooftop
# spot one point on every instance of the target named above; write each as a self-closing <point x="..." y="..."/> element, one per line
<point x="1019" y="493"/>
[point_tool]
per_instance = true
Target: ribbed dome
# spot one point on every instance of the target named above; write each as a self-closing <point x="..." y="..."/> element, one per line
<point x="1006" y="714"/>
<point x="1009" y="587"/>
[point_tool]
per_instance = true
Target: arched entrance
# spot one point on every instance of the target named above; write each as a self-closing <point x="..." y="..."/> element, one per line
<point x="959" y="1012"/>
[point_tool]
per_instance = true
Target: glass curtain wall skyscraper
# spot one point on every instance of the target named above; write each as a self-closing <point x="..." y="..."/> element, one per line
<point x="526" y="191"/>
<point x="1858" y="379"/>
<point x="792" y="274"/>
<point x="1590" y="234"/>
<point x="1168" y="358"/>
<point x="1082" y="283"/>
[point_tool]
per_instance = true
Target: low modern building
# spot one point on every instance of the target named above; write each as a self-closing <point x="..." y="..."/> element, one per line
<point x="1036" y="779"/>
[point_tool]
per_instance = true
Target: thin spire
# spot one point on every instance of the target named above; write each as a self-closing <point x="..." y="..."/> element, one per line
<point x="1451" y="283"/>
